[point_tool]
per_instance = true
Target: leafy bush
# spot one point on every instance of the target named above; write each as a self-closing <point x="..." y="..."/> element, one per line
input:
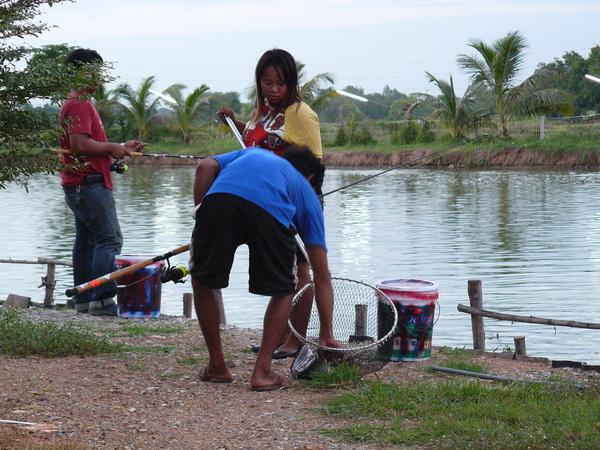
<point x="341" y="138"/>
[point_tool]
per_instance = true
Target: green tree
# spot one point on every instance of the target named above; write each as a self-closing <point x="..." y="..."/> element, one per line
<point x="454" y="112"/>
<point x="497" y="68"/>
<point x="24" y="77"/>
<point x="218" y="99"/>
<point x="113" y="115"/>
<point x="139" y="105"/>
<point x="573" y="68"/>
<point x="187" y="110"/>
<point x="52" y="53"/>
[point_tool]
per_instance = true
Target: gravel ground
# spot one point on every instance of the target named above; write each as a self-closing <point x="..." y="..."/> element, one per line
<point x="153" y="399"/>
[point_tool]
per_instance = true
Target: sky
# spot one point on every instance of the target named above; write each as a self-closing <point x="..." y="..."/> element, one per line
<point x="368" y="44"/>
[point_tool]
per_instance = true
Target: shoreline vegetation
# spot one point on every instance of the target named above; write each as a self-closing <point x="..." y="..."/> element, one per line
<point x="514" y="157"/>
<point x="563" y="151"/>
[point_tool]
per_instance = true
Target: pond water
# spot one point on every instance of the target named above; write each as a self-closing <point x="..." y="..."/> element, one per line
<point x="531" y="237"/>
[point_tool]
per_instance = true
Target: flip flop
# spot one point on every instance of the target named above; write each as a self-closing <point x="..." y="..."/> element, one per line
<point x="278" y="354"/>
<point x="273" y="387"/>
<point x="208" y="379"/>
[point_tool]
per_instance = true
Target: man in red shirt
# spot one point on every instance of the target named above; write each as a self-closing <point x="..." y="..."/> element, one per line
<point x="87" y="184"/>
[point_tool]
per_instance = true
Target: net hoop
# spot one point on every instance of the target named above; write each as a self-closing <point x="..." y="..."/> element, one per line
<point x="347" y="347"/>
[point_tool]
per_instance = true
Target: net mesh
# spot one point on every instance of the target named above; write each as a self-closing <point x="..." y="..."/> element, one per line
<point x="364" y="318"/>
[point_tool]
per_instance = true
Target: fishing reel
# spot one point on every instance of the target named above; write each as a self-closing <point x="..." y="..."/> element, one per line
<point x="174" y="274"/>
<point x="119" y="166"/>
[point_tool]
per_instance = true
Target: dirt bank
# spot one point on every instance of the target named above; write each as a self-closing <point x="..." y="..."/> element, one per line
<point x="513" y="157"/>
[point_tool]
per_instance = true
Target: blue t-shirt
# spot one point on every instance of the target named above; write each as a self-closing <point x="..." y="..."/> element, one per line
<point x="272" y="183"/>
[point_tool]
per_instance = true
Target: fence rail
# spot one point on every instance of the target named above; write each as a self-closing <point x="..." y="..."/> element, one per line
<point x="478" y="313"/>
<point x="49" y="281"/>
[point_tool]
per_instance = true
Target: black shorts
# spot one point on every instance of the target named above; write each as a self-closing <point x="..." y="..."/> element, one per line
<point x="223" y="223"/>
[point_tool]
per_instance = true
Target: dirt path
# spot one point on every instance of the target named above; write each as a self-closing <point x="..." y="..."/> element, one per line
<point x="152" y="398"/>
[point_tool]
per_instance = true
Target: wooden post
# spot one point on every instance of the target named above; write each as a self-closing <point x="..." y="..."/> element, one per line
<point x="49" y="284"/>
<point x="360" y="321"/>
<point x="188" y="302"/>
<point x="476" y="301"/>
<point x="520" y="346"/>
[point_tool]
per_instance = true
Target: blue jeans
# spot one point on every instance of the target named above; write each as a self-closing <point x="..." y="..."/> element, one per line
<point x="98" y="238"/>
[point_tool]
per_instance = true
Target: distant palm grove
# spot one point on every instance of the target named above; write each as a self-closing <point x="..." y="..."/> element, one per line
<point x="493" y="102"/>
<point x="499" y="103"/>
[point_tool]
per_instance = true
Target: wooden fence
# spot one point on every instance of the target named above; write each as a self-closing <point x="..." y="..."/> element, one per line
<point x="49" y="281"/>
<point x="478" y="313"/>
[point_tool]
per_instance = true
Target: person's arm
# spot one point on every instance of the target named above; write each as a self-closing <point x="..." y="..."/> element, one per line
<point x="83" y="144"/>
<point x="206" y="173"/>
<point x="323" y="294"/>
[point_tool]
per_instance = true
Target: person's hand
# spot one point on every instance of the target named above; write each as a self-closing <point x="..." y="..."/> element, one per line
<point x="133" y="146"/>
<point x="118" y="151"/>
<point x="329" y="342"/>
<point x="223" y="111"/>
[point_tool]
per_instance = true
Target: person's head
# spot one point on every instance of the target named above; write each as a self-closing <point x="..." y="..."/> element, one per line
<point x="82" y="57"/>
<point x="305" y="162"/>
<point x="276" y="78"/>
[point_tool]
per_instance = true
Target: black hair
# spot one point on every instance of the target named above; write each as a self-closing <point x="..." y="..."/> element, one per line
<point x="305" y="162"/>
<point x="82" y="56"/>
<point x="285" y="65"/>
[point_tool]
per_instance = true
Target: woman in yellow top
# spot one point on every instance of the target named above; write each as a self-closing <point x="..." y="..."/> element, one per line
<point x="281" y="118"/>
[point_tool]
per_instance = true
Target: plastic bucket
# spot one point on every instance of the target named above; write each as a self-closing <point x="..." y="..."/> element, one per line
<point x="138" y="293"/>
<point x="415" y="302"/>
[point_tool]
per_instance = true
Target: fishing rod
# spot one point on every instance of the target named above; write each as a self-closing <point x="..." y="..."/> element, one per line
<point x="429" y="155"/>
<point x="124" y="271"/>
<point x="154" y="155"/>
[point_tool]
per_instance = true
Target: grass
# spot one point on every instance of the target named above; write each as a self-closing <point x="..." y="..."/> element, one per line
<point x="21" y="337"/>
<point x="460" y="359"/>
<point x="467" y="413"/>
<point x="340" y="376"/>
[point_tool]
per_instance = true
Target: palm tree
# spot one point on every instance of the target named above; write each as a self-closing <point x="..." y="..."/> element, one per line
<point x="139" y="105"/>
<point x="312" y="91"/>
<point x="455" y="112"/>
<point x="496" y="67"/>
<point x="187" y="109"/>
<point x="106" y="102"/>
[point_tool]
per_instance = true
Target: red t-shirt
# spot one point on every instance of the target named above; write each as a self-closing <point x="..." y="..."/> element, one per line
<point x="80" y="116"/>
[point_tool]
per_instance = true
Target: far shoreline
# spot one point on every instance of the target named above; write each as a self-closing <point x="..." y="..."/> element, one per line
<point x="514" y="157"/>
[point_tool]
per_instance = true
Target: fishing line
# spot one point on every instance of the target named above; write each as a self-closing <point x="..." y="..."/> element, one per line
<point x="429" y="155"/>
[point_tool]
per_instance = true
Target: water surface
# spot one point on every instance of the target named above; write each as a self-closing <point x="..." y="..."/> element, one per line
<point x="532" y="237"/>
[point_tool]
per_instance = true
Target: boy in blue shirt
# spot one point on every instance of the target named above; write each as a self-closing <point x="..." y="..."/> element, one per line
<point x="254" y="197"/>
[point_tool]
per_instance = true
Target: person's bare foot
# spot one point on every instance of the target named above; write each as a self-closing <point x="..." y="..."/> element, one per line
<point x="270" y="383"/>
<point x="212" y="375"/>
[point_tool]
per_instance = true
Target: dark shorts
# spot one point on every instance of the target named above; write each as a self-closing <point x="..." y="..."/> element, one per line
<point x="223" y="223"/>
